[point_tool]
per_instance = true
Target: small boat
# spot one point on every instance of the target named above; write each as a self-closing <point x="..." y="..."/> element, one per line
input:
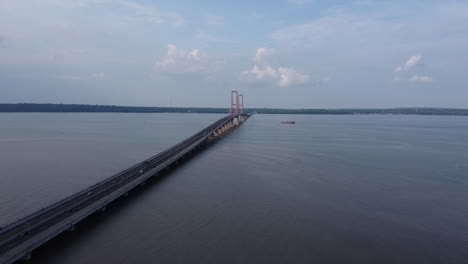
<point x="288" y="122"/>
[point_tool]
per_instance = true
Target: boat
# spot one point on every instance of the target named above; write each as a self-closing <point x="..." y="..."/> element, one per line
<point x="288" y="122"/>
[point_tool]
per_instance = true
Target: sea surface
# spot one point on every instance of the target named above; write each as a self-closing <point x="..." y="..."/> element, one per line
<point x="329" y="189"/>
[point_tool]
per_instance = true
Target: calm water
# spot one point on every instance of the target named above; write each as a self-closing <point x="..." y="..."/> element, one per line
<point x="330" y="189"/>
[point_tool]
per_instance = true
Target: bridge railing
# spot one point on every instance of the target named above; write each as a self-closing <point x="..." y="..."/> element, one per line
<point x="34" y="222"/>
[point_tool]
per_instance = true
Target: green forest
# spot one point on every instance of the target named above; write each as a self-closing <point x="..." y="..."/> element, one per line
<point x="70" y="108"/>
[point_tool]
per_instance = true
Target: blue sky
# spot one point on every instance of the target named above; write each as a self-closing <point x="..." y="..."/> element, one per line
<point x="288" y="54"/>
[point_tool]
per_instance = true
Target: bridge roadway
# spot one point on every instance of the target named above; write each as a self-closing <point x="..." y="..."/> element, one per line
<point x="20" y="238"/>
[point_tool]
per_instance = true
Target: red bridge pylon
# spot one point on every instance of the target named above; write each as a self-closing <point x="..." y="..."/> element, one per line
<point x="237" y="103"/>
<point x="234" y="109"/>
<point x="241" y="104"/>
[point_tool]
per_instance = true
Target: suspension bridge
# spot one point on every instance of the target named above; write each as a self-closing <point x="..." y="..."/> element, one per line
<point x="19" y="239"/>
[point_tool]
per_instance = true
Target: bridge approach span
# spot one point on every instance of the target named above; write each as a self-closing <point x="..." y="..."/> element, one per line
<point x="20" y="238"/>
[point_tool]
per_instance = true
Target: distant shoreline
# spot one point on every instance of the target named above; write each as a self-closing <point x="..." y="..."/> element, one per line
<point x="83" y="108"/>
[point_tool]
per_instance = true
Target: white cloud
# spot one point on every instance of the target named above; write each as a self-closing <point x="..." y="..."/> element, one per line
<point x="402" y="72"/>
<point x="420" y="79"/>
<point x="409" y="64"/>
<point x="282" y="76"/>
<point x="179" y="61"/>
<point x="289" y="76"/>
<point x="262" y="54"/>
<point x="261" y="73"/>
<point x="214" y="20"/>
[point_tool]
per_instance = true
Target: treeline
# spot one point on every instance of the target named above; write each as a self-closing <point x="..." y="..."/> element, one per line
<point x="73" y="108"/>
<point x="70" y="108"/>
<point x="367" y="111"/>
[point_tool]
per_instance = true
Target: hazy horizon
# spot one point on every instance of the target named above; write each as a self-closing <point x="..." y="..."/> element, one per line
<point x="251" y="107"/>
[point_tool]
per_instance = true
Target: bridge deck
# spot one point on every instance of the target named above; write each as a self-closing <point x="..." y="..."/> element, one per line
<point x="20" y="238"/>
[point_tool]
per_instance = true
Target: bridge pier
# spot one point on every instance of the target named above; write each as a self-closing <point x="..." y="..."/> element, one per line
<point x="227" y="127"/>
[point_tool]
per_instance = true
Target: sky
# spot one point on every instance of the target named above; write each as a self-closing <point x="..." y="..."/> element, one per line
<point x="277" y="53"/>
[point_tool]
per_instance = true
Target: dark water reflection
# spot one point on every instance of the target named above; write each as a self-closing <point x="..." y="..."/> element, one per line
<point x="330" y="189"/>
